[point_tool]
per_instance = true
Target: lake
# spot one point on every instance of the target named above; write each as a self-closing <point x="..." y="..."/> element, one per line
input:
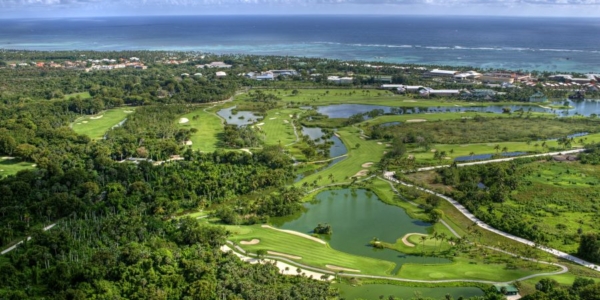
<point x="240" y="118"/>
<point x="585" y="108"/>
<point x="356" y="217"/>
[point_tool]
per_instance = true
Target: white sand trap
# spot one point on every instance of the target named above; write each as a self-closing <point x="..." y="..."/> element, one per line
<point x="286" y="121"/>
<point x="336" y="268"/>
<point x="361" y="173"/>
<point x="384" y="152"/>
<point x="96" y="117"/>
<point x="128" y="111"/>
<point x="252" y="242"/>
<point x="183" y="120"/>
<point x="336" y="134"/>
<point x="272" y="118"/>
<point x="410" y="156"/>
<point x="79" y="123"/>
<point x="84" y="122"/>
<point x="246" y="150"/>
<point x="388" y="145"/>
<point x="415" y="120"/>
<point x="379" y="143"/>
<point x="405" y="239"/>
<point x="306" y="236"/>
<point x="260" y="124"/>
<point x="284" y="255"/>
<point x="33" y="165"/>
<point x="433" y="150"/>
<point x="367" y="165"/>
<point x="291" y="116"/>
<point x="276" y="113"/>
<point x="410" y="101"/>
<point x="188" y="143"/>
<point x="447" y="157"/>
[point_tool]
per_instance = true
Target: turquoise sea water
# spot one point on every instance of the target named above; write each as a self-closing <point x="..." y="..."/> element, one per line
<point x="551" y="44"/>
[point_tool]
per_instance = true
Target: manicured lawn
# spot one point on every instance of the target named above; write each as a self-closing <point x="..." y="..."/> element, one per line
<point x="277" y="127"/>
<point x="312" y="253"/>
<point x="436" y="117"/>
<point x="82" y="95"/>
<point x="96" y="126"/>
<point x="367" y="151"/>
<point x="12" y="166"/>
<point x="209" y="127"/>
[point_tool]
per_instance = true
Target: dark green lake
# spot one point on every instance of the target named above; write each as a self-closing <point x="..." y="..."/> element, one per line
<point x="373" y="291"/>
<point x="356" y="217"/>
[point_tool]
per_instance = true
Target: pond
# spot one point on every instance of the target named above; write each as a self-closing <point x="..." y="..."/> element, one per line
<point x="240" y="118"/>
<point x="486" y="156"/>
<point x="584" y="108"/>
<point x="356" y="217"/>
<point x="338" y="148"/>
<point x="373" y="291"/>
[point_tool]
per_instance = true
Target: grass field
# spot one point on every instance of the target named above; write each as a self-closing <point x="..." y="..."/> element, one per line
<point x="96" y="126"/>
<point x="209" y="127"/>
<point x="365" y="96"/>
<point x="312" y="253"/>
<point x="367" y="151"/>
<point x="12" y="166"/>
<point x="82" y="95"/>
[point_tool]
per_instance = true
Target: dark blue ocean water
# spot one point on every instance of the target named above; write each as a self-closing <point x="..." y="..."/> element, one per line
<point x="554" y="44"/>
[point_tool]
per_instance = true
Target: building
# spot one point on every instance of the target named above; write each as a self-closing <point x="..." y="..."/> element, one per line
<point x="265" y="76"/>
<point x="498" y="77"/>
<point x="470" y="75"/>
<point x="277" y="73"/>
<point x="391" y="86"/>
<point x="220" y="74"/>
<point x="538" y="97"/>
<point x="340" y="80"/>
<point x="437" y="73"/>
<point x="444" y="93"/>
<point x="382" y="78"/>
<point x="215" y="64"/>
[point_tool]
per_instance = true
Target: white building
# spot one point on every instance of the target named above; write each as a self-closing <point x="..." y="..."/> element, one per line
<point x="221" y="74"/>
<point x="440" y="73"/>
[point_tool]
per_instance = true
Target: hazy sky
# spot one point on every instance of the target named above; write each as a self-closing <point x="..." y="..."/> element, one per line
<point x="82" y="8"/>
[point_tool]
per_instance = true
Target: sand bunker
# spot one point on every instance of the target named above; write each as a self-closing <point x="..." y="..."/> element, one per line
<point x="188" y="143"/>
<point x="433" y="150"/>
<point x="361" y="173"/>
<point x="410" y="101"/>
<point x="260" y="124"/>
<point x="388" y="145"/>
<point x="128" y="111"/>
<point x="246" y="150"/>
<point x="405" y="239"/>
<point x="367" y="165"/>
<point x="284" y="255"/>
<point x="183" y="120"/>
<point x="306" y="236"/>
<point x="96" y="117"/>
<point x="285" y="121"/>
<point x="336" y="268"/>
<point x="415" y="120"/>
<point x="272" y="118"/>
<point x="251" y="242"/>
<point x="84" y="122"/>
<point x="291" y="116"/>
<point x="379" y="143"/>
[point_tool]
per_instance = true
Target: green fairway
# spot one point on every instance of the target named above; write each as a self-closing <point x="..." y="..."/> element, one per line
<point x="82" y="95"/>
<point x="438" y="117"/>
<point x="209" y="126"/>
<point x="311" y="252"/>
<point x="12" y="166"/>
<point x="97" y="125"/>
<point x="277" y="127"/>
<point x="367" y="152"/>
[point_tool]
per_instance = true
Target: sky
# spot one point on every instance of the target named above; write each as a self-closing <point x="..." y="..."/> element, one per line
<point x="94" y="8"/>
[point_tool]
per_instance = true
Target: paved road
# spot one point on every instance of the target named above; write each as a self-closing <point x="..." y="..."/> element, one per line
<point x="13" y="247"/>
<point x="502" y="159"/>
<point x="470" y="216"/>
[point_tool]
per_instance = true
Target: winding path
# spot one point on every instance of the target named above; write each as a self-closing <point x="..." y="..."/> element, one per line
<point x="390" y="176"/>
<point x="13" y="247"/>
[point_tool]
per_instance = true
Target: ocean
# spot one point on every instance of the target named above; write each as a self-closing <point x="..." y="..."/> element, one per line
<point x="543" y="44"/>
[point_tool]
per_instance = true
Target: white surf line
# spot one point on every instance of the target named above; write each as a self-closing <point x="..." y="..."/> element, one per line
<point x="502" y="159"/>
<point x="13" y="247"/>
<point x="470" y="216"/>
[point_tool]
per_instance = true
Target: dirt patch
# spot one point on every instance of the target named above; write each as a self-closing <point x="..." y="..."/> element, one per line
<point x="96" y="117"/>
<point x="405" y="239"/>
<point x="284" y="255"/>
<point x="367" y="165"/>
<point x="183" y="120"/>
<point x="415" y="120"/>
<point x="361" y="173"/>
<point x="251" y="242"/>
<point x="336" y="268"/>
<point x="306" y="236"/>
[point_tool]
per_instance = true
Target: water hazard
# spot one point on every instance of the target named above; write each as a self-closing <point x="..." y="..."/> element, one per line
<point x="356" y="217"/>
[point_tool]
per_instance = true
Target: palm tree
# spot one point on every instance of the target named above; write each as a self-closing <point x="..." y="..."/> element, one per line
<point x="497" y="148"/>
<point x="423" y="239"/>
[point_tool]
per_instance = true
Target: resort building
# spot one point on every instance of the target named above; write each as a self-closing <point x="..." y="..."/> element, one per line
<point x="340" y="80"/>
<point x="470" y="75"/>
<point x="498" y="77"/>
<point x="220" y="74"/>
<point x="215" y="64"/>
<point x="440" y="73"/>
<point x="444" y="93"/>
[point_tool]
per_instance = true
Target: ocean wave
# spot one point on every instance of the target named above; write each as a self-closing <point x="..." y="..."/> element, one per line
<point x="459" y="47"/>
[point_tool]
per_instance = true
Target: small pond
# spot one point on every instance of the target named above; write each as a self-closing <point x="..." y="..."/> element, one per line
<point x="356" y="217"/>
<point x="373" y="291"/>
<point x="584" y="108"/>
<point x="338" y="148"/>
<point x="486" y="156"/>
<point x="239" y="118"/>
